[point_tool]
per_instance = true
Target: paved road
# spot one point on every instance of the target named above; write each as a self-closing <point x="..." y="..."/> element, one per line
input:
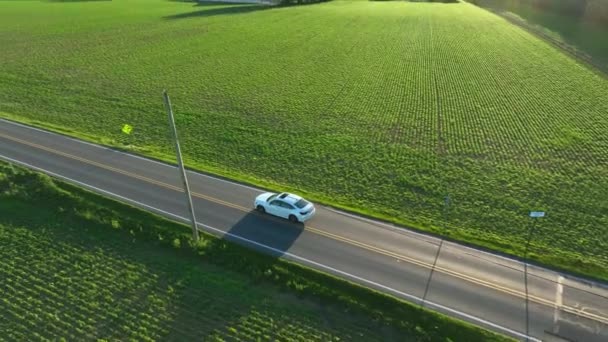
<point x="482" y="288"/>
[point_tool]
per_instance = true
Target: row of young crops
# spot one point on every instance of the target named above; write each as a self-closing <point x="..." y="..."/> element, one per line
<point x="63" y="291"/>
<point x="53" y="289"/>
<point x="383" y="107"/>
<point x="532" y="139"/>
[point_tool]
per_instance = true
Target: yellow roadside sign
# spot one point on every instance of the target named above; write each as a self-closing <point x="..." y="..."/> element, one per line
<point x="126" y="129"/>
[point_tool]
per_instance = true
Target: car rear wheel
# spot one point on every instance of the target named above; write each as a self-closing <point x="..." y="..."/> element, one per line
<point x="293" y="219"/>
<point x="260" y="209"/>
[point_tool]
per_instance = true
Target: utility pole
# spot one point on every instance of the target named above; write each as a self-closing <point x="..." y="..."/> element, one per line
<point x="180" y="165"/>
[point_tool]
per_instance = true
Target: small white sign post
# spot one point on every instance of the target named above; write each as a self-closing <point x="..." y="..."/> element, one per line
<point x="535" y="214"/>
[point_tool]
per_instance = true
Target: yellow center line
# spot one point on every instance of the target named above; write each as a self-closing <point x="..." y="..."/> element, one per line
<point x="325" y="233"/>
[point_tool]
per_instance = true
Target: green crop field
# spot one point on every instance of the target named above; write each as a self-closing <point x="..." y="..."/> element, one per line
<point x="64" y="278"/>
<point x="384" y="108"/>
<point x="88" y="268"/>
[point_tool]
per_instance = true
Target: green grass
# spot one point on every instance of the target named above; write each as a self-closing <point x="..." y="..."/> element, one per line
<point x="382" y="108"/>
<point x="78" y="266"/>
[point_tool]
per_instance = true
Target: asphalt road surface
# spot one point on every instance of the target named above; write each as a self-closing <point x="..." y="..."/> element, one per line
<point x="482" y="288"/>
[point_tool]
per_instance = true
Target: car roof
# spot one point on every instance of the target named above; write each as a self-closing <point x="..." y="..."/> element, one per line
<point x="289" y="198"/>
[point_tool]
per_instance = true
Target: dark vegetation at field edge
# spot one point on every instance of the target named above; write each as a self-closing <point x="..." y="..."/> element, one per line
<point x="579" y="27"/>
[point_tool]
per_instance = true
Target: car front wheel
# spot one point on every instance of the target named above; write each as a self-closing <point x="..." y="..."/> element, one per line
<point x="260" y="209"/>
<point x="293" y="219"/>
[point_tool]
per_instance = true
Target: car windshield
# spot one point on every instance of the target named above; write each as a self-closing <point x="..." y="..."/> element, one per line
<point x="301" y="203"/>
<point x="271" y="198"/>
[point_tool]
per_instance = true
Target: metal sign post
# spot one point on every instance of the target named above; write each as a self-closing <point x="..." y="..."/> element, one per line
<point x="180" y="165"/>
<point x="534" y="215"/>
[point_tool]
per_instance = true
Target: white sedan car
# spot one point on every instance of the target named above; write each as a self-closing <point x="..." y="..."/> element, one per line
<point x="285" y="205"/>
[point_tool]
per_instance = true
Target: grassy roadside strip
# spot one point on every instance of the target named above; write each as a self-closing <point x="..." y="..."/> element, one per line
<point x="560" y="261"/>
<point x="38" y="192"/>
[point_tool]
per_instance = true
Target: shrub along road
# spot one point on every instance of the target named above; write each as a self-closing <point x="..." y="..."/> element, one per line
<point x="469" y="284"/>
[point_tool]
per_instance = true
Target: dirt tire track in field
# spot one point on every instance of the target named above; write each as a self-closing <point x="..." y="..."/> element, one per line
<point x="332" y="102"/>
<point x="441" y="149"/>
<point x="440" y="154"/>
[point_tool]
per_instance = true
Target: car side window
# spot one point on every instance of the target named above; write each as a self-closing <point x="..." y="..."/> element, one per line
<point x="276" y="203"/>
<point x="287" y="206"/>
